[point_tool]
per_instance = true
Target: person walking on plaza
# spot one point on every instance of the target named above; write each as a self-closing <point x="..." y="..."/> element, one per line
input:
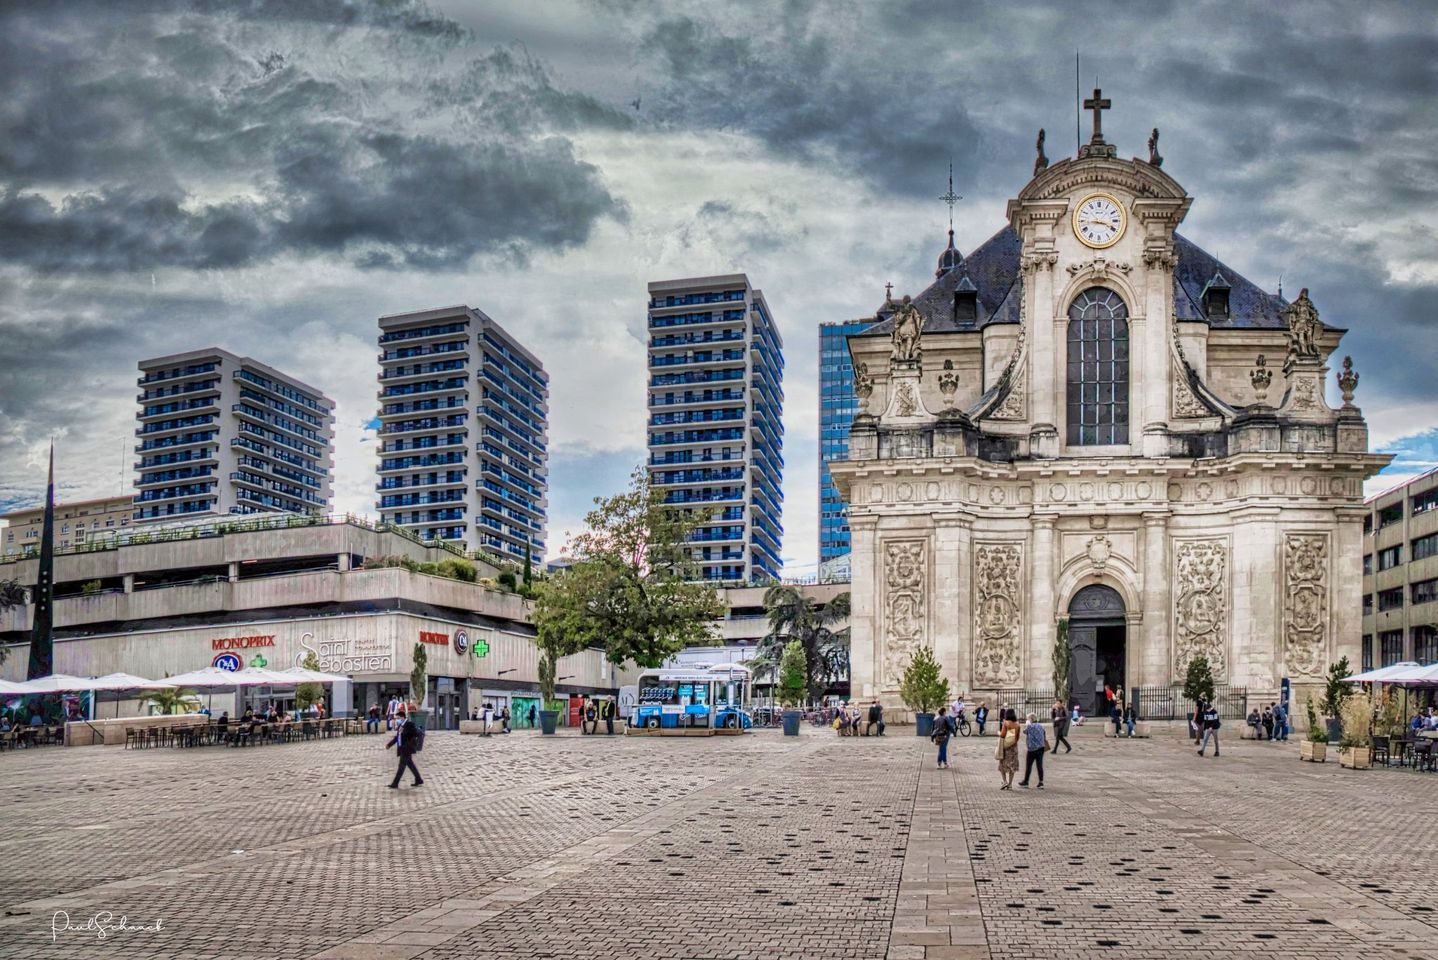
<point x="504" y="719"/>
<point x="944" y="728"/>
<point x="1060" y="718"/>
<point x="1211" y="723"/>
<point x="1006" y="751"/>
<point x="406" y="741"/>
<point x="1036" y="738"/>
<point x="391" y="712"/>
<point x="532" y="709"/>
<point x="981" y="715"/>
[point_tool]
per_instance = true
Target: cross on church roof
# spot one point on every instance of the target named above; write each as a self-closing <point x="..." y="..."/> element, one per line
<point x="951" y="197"/>
<point x="1097" y="104"/>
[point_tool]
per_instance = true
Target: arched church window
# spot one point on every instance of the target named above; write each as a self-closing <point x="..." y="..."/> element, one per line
<point x="1098" y="368"/>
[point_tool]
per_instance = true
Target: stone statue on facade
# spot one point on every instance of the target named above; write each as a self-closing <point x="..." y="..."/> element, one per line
<point x="863" y="385"/>
<point x="1304" y="327"/>
<point x="1041" y="162"/>
<point x="1154" y="157"/>
<point x="907" y="328"/>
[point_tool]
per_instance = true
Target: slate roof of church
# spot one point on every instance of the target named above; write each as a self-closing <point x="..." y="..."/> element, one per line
<point x="993" y="270"/>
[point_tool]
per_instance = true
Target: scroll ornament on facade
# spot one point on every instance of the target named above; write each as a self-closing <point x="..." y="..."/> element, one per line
<point x="903" y="606"/>
<point x="997" y="602"/>
<point x="1305" y="604"/>
<point x="1200" y="606"/>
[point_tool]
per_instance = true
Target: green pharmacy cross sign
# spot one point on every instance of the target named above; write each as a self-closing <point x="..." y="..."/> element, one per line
<point x="480" y="647"/>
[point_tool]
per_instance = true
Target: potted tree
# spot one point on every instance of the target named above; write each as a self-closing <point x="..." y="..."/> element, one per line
<point x="793" y="679"/>
<point x="1355" y="745"/>
<point x="1198" y="688"/>
<point x="1314" y="747"/>
<point x="1336" y="689"/>
<point x="307" y="694"/>
<point x="923" y="689"/>
<point x="419" y="684"/>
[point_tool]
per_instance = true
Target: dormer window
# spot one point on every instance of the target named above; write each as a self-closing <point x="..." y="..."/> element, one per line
<point x="966" y="301"/>
<point x="1215" y="298"/>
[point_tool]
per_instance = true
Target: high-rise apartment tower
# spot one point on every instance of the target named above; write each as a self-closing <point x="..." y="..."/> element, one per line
<point x="464" y="424"/>
<point x="716" y="428"/>
<point x="221" y="434"/>
<point x="837" y="407"/>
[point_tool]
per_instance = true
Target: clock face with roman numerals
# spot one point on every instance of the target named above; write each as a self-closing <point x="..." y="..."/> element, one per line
<point x="1099" y="220"/>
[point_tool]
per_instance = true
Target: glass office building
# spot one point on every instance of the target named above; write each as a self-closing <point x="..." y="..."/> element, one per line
<point x="837" y="407"/>
<point x="716" y="428"/>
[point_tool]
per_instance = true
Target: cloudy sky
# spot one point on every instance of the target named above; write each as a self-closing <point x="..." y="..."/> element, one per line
<point x="270" y="176"/>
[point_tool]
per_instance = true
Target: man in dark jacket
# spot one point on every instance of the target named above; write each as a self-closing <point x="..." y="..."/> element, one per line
<point x="1211" y="723"/>
<point x="606" y="710"/>
<point x="873" y="720"/>
<point x="404" y="741"/>
<point x="1060" y="716"/>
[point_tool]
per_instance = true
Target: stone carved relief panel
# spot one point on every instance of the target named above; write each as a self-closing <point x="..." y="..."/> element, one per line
<point x="1305" y="604"/>
<point x="998" y="603"/>
<point x="905" y="569"/>
<point x="1200" y="606"/>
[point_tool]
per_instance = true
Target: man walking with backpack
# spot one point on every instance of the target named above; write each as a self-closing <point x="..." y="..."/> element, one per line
<point x="1211" y="723"/>
<point x="407" y="741"/>
<point x="944" y="728"/>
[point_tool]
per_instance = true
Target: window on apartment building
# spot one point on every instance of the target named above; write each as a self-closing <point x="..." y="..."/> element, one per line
<point x="1424" y="547"/>
<point x="1389" y="515"/>
<point x="1391" y="599"/>
<point x="1367" y="563"/>
<point x="1390" y="646"/>
<point x="1368" y="651"/>
<point x="1367" y="604"/>
<point x="1425" y="501"/>
<point x="1424" y="591"/>
<point x="1390" y="558"/>
<point x="1425" y="644"/>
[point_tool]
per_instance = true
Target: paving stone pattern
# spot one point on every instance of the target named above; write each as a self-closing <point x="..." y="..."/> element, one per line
<point x="753" y="847"/>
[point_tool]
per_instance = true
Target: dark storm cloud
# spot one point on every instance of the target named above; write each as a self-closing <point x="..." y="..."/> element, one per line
<point x="209" y="135"/>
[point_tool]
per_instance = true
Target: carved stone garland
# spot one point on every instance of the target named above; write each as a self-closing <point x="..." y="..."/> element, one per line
<point x="1305" y="604"/>
<point x="1185" y="404"/>
<point x="998" y="595"/>
<point x="904" y="605"/>
<point x="1200" y="606"/>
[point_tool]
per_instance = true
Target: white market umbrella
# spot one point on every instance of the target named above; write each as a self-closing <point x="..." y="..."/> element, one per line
<point x="1427" y="677"/>
<point x="128" y="681"/>
<point x="305" y="675"/>
<point x="57" y="683"/>
<point x="1393" y="673"/>
<point x="11" y="688"/>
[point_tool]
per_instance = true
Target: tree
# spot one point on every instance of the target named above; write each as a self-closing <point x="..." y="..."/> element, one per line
<point x="633" y="589"/>
<point x="12" y="595"/>
<point x="1062" y="658"/>
<point x="923" y="688"/>
<point x="1198" y="685"/>
<point x="309" y="693"/>
<point x="418" y="678"/>
<point x="1336" y="688"/>
<point x="560" y="615"/>
<point x="793" y="677"/>
<point x="169" y="699"/>
<point x="795" y="616"/>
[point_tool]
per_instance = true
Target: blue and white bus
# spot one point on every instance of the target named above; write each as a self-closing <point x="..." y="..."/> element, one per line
<point x="690" y="699"/>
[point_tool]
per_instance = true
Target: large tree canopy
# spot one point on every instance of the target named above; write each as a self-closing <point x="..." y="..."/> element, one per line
<point x="633" y="589"/>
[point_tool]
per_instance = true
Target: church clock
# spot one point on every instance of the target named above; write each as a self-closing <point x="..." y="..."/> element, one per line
<point x="1099" y="221"/>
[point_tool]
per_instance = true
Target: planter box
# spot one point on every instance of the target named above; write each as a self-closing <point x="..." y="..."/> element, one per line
<point x="547" y="721"/>
<point x="1313" y="752"/>
<point x="923" y="724"/>
<point x="1355" y="758"/>
<point x="792" y="719"/>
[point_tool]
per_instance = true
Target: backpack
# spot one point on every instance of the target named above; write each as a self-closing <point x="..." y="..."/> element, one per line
<point x="418" y="738"/>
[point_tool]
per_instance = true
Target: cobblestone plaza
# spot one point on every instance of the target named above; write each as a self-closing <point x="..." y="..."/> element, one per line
<point x="753" y="847"/>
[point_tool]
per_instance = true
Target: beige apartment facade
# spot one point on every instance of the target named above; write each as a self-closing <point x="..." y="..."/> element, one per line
<point x="1400" y="575"/>
<point x="76" y="523"/>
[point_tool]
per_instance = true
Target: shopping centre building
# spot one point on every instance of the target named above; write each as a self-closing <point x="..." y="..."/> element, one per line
<point x="267" y="591"/>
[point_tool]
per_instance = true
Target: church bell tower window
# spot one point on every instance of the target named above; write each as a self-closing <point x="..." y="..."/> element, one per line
<point x="1098" y="369"/>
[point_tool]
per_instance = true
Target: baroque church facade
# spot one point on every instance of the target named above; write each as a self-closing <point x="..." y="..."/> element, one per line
<point x="1089" y="419"/>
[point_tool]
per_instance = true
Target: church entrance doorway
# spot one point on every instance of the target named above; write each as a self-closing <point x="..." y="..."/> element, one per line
<point x="1098" y="635"/>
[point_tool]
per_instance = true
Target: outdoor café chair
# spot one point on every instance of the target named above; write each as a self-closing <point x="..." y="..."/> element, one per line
<point x="1380" y="750"/>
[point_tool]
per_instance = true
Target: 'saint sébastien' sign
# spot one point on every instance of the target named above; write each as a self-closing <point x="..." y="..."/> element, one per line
<point x="348" y="655"/>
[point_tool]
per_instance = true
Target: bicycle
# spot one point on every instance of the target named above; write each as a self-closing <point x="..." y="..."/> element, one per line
<point x="965" y="728"/>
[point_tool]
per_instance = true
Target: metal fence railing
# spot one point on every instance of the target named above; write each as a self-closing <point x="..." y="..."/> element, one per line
<point x="1035" y="700"/>
<point x="1169" y="703"/>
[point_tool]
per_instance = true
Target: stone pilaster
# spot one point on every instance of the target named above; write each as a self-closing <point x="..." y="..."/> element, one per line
<point x="1042" y="624"/>
<point x="864" y="647"/>
<point x="951" y="597"/>
<point x="1346" y="575"/>
<point x="1257" y="643"/>
<point x="1150" y="645"/>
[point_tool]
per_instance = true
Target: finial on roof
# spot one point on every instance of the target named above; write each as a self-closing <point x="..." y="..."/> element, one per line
<point x="951" y="198"/>
<point x="1097" y="146"/>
